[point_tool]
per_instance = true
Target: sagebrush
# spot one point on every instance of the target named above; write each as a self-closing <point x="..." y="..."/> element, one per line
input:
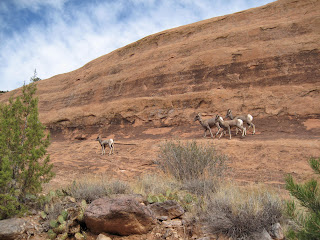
<point x="92" y="189"/>
<point x="238" y="213"/>
<point x="191" y="161"/>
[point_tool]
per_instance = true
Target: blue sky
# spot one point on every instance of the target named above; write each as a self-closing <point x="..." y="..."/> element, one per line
<point x="59" y="36"/>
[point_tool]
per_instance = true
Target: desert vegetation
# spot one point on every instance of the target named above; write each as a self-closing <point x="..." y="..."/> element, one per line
<point x="304" y="208"/>
<point x="226" y="207"/>
<point x="190" y="173"/>
<point x="24" y="163"/>
<point x="194" y="176"/>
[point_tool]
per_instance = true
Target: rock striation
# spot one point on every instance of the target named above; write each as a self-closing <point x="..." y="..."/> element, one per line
<point x="263" y="60"/>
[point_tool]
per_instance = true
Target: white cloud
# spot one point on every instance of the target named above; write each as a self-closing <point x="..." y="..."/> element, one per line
<point x="35" y="5"/>
<point x="69" y="38"/>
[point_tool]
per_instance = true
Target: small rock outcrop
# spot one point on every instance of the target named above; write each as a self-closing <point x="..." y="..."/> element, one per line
<point x="103" y="237"/>
<point x="12" y="228"/>
<point x="123" y="216"/>
<point x="277" y="232"/>
<point x="170" y="209"/>
<point x="264" y="235"/>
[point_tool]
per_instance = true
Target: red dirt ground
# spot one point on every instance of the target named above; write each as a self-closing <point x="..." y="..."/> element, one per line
<point x="275" y="150"/>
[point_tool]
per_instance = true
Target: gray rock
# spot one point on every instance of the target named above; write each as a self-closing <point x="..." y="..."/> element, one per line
<point x="123" y="216"/>
<point x="103" y="237"/>
<point x="277" y="232"/>
<point x="170" y="208"/>
<point x="12" y="228"/>
<point x="264" y="235"/>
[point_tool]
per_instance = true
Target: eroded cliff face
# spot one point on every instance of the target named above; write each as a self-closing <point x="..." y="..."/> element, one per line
<point x="264" y="61"/>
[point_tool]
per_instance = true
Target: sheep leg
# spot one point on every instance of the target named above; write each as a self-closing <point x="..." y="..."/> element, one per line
<point x="218" y="126"/>
<point x="243" y="131"/>
<point x="238" y="129"/>
<point x="111" y="149"/>
<point x="229" y="132"/>
<point x="221" y="134"/>
<point x="217" y="133"/>
<point x="102" y="150"/>
<point x="254" y="128"/>
<point x="210" y="131"/>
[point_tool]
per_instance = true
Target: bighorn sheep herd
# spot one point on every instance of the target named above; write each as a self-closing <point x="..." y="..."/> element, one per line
<point x="221" y="124"/>
<point x="224" y="125"/>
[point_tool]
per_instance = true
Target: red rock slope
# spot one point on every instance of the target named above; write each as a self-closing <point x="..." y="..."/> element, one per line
<point x="264" y="61"/>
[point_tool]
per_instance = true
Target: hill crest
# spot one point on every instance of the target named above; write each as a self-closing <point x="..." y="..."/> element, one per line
<point x="245" y="61"/>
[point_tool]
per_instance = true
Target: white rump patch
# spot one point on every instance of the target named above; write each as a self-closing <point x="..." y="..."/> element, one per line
<point x="240" y="122"/>
<point x="250" y="117"/>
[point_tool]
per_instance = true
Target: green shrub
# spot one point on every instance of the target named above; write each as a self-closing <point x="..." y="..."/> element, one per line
<point x="190" y="161"/>
<point x="24" y="162"/>
<point x="305" y="213"/>
<point x="239" y="213"/>
<point x="9" y="206"/>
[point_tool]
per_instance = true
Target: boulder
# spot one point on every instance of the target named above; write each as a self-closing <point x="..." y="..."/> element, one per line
<point x="276" y="231"/>
<point x="137" y="197"/>
<point x="170" y="209"/>
<point x="123" y="216"/>
<point x="12" y="228"/>
<point x="264" y="235"/>
<point x="103" y="237"/>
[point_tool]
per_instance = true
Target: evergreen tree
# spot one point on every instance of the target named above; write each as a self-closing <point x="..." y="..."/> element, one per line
<point x="307" y="218"/>
<point x="24" y="162"/>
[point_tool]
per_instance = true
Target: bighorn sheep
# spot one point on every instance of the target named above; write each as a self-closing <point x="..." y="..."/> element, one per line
<point x="103" y="144"/>
<point x="231" y="123"/>
<point x="207" y="124"/>
<point x="245" y="118"/>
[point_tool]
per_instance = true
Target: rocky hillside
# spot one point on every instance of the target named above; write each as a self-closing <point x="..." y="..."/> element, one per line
<point x="264" y="61"/>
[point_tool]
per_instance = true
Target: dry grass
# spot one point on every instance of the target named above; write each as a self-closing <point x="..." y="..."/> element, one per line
<point x="154" y="184"/>
<point x="90" y="189"/>
<point x="239" y="212"/>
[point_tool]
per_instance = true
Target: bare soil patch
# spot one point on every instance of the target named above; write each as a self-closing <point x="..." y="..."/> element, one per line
<point x="280" y="146"/>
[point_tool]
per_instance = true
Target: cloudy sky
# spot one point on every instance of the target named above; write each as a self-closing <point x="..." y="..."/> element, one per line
<point x="58" y="36"/>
